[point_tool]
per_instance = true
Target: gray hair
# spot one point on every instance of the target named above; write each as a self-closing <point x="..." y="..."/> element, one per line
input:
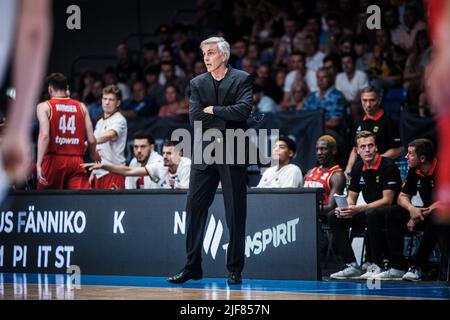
<point x="222" y="44"/>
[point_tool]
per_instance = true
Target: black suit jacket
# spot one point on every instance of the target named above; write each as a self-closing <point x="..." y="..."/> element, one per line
<point x="232" y="104"/>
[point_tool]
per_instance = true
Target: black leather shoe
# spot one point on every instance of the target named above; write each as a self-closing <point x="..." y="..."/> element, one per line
<point x="235" y="278"/>
<point x="185" y="275"/>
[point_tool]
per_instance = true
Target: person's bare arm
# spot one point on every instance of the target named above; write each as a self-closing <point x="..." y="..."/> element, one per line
<point x="393" y="153"/>
<point x="30" y="62"/>
<point x="351" y="161"/>
<point x="118" y="169"/>
<point x="337" y="184"/>
<point x="43" y="112"/>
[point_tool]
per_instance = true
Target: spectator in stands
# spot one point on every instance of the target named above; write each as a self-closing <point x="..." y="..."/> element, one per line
<point x="169" y="76"/>
<point x="336" y="32"/>
<point x="174" y="105"/>
<point x="332" y="62"/>
<point x="238" y="52"/>
<point x="415" y="65"/>
<point x="361" y="29"/>
<point x="298" y="74"/>
<point x="284" y="174"/>
<point x="297" y="96"/>
<point x="280" y="76"/>
<point x="378" y="179"/>
<point x="413" y="25"/>
<point x="314" y="57"/>
<point x="126" y="66"/>
<point x="110" y="77"/>
<point x="263" y="78"/>
<point x="95" y="107"/>
<point x="253" y="52"/>
<point x="314" y="26"/>
<point x="286" y="45"/>
<point x="375" y="120"/>
<point x="328" y="99"/>
<point x="85" y="93"/>
<point x="189" y="55"/>
<point x="164" y="34"/>
<point x="144" y="154"/>
<point x="391" y="21"/>
<point x="154" y="89"/>
<point x="327" y="175"/>
<point x="65" y="130"/>
<point x="346" y="45"/>
<point x="174" y="174"/>
<point x="364" y="55"/>
<point x="142" y="105"/>
<point x="414" y="215"/>
<point x="386" y="67"/>
<point x="150" y="55"/>
<point x="167" y="55"/>
<point x="350" y="82"/>
<point x="248" y="65"/>
<point x="111" y="136"/>
<point x="262" y="102"/>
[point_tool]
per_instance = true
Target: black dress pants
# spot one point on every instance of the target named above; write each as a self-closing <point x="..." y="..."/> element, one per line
<point x="202" y="189"/>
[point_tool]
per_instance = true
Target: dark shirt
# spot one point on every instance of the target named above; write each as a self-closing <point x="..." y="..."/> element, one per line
<point x="386" y="131"/>
<point x="384" y="175"/>
<point x="416" y="181"/>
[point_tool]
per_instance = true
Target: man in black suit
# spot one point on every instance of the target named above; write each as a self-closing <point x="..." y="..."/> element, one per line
<point x="220" y="99"/>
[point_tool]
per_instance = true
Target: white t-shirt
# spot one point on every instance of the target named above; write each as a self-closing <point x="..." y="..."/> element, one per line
<point x="130" y="182"/>
<point x="289" y="176"/>
<point x="310" y="79"/>
<point x="350" y="88"/>
<point x="161" y="175"/>
<point x="111" y="151"/>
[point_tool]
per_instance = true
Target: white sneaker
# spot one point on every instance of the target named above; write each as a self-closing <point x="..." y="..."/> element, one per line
<point x="413" y="274"/>
<point x="371" y="272"/>
<point x="350" y="272"/>
<point x="390" y="274"/>
<point x="365" y="265"/>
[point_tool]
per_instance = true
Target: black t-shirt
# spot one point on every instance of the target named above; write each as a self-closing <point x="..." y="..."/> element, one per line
<point x="216" y="88"/>
<point x="384" y="175"/>
<point x="386" y="131"/>
<point x="416" y="181"/>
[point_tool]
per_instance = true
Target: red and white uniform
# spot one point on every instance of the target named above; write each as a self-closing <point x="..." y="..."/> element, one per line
<point x="144" y="182"/>
<point x="319" y="178"/>
<point x="112" y="151"/>
<point x="61" y="163"/>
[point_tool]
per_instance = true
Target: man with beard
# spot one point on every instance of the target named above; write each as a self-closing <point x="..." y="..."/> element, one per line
<point x="174" y="174"/>
<point x="144" y="154"/>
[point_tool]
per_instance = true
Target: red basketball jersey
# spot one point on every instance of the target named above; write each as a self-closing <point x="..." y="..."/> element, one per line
<point x="318" y="178"/>
<point x="67" y="127"/>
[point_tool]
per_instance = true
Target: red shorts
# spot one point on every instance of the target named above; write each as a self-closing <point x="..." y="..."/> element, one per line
<point x="64" y="172"/>
<point x="110" y="181"/>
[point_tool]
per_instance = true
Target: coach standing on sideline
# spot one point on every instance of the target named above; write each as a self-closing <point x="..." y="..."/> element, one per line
<point x="221" y="99"/>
